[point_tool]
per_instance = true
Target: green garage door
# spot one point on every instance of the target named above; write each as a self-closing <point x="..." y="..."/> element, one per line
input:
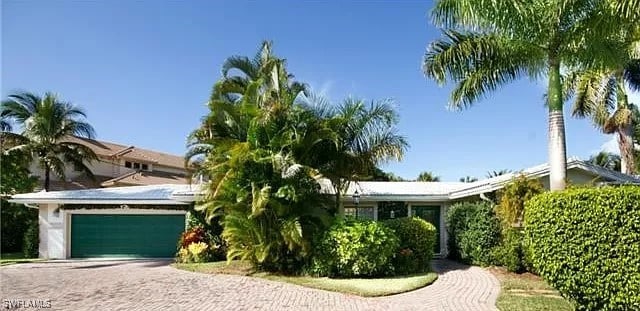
<point x="125" y="235"/>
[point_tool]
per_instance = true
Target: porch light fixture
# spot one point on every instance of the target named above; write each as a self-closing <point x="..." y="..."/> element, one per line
<point x="356" y="201"/>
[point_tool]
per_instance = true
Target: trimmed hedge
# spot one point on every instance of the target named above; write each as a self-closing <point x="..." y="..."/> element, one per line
<point x="586" y="243"/>
<point x="356" y="248"/>
<point x="417" y="240"/>
<point x="474" y="230"/>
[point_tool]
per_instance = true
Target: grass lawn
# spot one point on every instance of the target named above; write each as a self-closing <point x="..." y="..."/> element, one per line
<point x="13" y="258"/>
<point x="361" y="287"/>
<point x="527" y="292"/>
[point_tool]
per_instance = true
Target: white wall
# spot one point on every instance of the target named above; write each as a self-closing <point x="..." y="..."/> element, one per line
<point x="51" y="225"/>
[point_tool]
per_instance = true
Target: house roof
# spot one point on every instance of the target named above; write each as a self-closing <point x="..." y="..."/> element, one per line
<point x="109" y="150"/>
<point x="154" y="194"/>
<point x="492" y="184"/>
<point x="368" y="190"/>
<point x="140" y="178"/>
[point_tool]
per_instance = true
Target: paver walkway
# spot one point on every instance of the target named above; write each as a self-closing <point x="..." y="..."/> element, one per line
<point x="154" y="285"/>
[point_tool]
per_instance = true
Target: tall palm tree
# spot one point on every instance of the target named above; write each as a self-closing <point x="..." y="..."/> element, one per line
<point x="492" y="174"/>
<point x="428" y="176"/>
<point x="607" y="160"/>
<point x="490" y="43"/>
<point x="601" y="95"/>
<point x="47" y="123"/>
<point x="468" y="179"/>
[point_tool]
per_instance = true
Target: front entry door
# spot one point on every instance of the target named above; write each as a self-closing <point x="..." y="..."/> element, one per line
<point x="432" y="215"/>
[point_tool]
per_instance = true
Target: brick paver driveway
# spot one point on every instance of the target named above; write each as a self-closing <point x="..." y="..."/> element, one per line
<point x="154" y="285"/>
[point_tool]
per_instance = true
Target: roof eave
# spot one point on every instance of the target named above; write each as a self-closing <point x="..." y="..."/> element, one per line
<point x="95" y="201"/>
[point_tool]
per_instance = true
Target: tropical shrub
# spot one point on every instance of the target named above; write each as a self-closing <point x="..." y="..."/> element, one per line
<point x="356" y="248"/>
<point x="416" y="242"/>
<point x="511" y="252"/>
<point x="191" y="242"/>
<point x="512" y="198"/>
<point x="16" y="219"/>
<point x="586" y="243"/>
<point x="31" y="240"/>
<point x="474" y="230"/>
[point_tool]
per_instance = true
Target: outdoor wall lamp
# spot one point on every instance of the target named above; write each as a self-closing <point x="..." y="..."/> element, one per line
<point x="356" y="201"/>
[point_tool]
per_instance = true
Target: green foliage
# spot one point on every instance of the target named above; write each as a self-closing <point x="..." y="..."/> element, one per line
<point x="512" y="251"/>
<point x="356" y="248"/>
<point x="215" y="248"/>
<point x="16" y="218"/>
<point x="48" y="126"/>
<point x="31" y="240"/>
<point x="428" y="176"/>
<point x="586" y="244"/>
<point x="513" y="196"/>
<point x="417" y="239"/>
<point x="265" y="144"/>
<point x="474" y="230"/>
<point x="15" y="175"/>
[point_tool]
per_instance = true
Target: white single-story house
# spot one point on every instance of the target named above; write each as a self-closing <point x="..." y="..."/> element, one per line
<point x="146" y="221"/>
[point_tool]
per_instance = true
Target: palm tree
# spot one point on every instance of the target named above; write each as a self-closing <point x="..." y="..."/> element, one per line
<point x="468" y="179"/>
<point x="490" y="43"/>
<point x="607" y="160"/>
<point x="365" y="137"/>
<point x="492" y="174"/>
<point x="47" y="125"/>
<point x="601" y="95"/>
<point x="428" y="176"/>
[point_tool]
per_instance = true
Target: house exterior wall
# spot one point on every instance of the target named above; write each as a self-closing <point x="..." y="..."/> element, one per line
<point x="55" y="226"/>
<point x="576" y="177"/>
<point x="51" y="232"/>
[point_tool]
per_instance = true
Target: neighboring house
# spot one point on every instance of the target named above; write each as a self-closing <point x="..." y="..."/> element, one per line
<point x="145" y="221"/>
<point x="119" y="165"/>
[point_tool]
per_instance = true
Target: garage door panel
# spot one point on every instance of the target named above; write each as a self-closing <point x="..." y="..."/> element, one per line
<point x="125" y="235"/>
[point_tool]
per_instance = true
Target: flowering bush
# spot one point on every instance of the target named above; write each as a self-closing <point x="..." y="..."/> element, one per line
<point x="192" y="235"/>
<point x="197" y="245"/>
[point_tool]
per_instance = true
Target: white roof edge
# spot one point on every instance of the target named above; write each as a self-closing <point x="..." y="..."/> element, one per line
<point x="96" y="201"/>
<point x="497" y="182"/>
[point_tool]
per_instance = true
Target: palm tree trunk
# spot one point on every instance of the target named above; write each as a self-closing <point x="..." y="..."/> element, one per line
<point x="625" y="143"/>
<point x="47" y="177"/>
<point x="557" y="142"/>
<point x="625" y="131"/>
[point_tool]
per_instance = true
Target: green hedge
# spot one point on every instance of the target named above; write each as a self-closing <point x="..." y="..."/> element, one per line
<point x="417" y="240"/>
<point x="474" y="231"/>
<point x="356" y="248"/>
<point x="17" y="220"/>
<point x="586" y="243"/>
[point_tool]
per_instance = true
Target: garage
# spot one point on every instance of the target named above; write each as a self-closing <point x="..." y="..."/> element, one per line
<point x="124" y="235"/>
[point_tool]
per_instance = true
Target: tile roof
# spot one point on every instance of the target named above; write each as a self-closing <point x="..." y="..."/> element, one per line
<point x="139" y="178"/>
<point x="107" y="149"/>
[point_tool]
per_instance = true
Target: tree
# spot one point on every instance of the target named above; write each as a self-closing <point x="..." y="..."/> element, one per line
<point x="490" y="43"/>
<point x="16" y="218"/>
<point x="607" y="160"/>
<point x="428" y="176"/>
<point x="491" y="174"/>
<point x="468" y="179"/>
<point x="601" y="95"/>
<point x="365" y="137"/>
<point x="47" y="125"/>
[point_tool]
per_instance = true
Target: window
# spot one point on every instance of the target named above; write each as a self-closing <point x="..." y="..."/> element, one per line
<point x="363" y="212"/>
<point x="77" y="167"/>
<point x="137" y="165"/>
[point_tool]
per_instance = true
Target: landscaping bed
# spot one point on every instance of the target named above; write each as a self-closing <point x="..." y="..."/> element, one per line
<point x="527" y="292"/>
<point x="366" y="287"/>
<point x="13" y="258"/>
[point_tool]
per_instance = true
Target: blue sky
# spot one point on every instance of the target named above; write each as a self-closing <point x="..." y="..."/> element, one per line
<point x="143" y="70"/>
